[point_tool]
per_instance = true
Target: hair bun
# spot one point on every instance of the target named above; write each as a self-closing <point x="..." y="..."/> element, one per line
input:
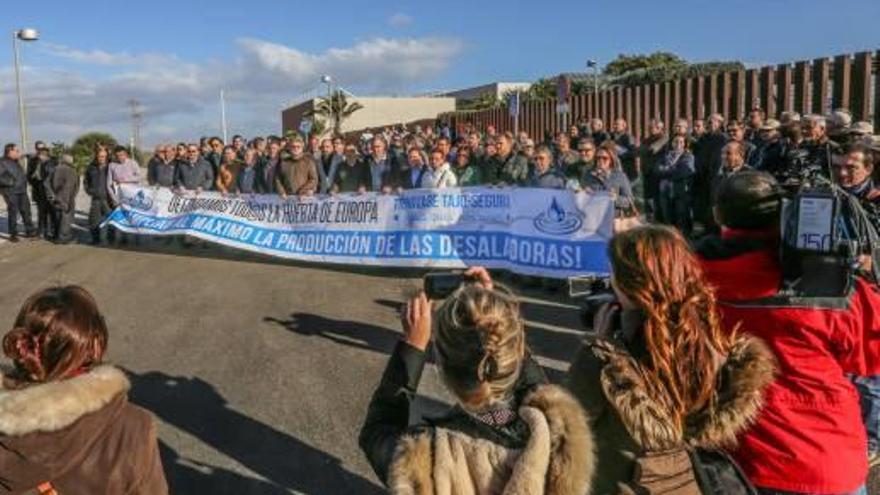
<point x="13" y="341"/>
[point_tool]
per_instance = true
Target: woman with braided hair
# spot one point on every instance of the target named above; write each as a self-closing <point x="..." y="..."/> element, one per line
<point x="66" y="425"/>
<point x="509" y="432"/>
<point x="666" y="377"/>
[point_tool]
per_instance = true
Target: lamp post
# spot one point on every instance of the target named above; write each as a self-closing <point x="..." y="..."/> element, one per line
<point x="21" y="35"/>
<point x="326" y="79"/>
<point x="595" y="66"/>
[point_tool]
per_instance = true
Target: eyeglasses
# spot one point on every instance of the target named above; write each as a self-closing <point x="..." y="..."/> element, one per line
<point x="603" y="157"/>
<point x="586" y="150"/>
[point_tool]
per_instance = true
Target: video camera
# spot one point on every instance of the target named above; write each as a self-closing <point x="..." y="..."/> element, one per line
<point x="824" y="232"/>
<point x="798" y="169"/>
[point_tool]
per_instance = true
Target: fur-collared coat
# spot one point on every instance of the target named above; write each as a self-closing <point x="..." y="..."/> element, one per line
<point x="552" y="452"/>
<point x="627" y="422"/>
<point x="81" y="435"/>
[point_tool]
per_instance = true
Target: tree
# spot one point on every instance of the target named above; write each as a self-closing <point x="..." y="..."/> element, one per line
<point x="335" y="108"/>
<point x="627" y="63"/>
<point x="83" y="147"/>
<point x="481" y="102"/>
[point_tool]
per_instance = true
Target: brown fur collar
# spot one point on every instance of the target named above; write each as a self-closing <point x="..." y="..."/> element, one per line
<point x="558" y="458"/>
<point x="54" y="406"/>
<point x="743" y="377"/>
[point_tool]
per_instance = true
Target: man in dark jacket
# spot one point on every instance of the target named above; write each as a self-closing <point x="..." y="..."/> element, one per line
<point x="13" y="188"/>
<point x="626" y="147"/>
<point x="545" y="175"/>
<point x="707" y="160"/>
<point x="384" y="169"/>
<point x="266" y="169"/>
<point x="95" y="185"/>
<point x="61" y="189"/>
<point x="195" y="173"/>
<point x="39" y="167"/>
<point x="811" y="420"/>
<point x="508" y="167"/>
<point x="651" y="152"/>
<point x="598" y="132"/>
<point x="161" y="167"/>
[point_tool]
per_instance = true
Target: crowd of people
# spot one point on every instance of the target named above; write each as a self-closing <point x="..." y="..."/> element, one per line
<point x="700" y="352"/>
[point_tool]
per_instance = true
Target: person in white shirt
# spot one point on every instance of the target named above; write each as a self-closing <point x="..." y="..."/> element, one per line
<point x="123" y="170"/>
<point x="441" y="175"/>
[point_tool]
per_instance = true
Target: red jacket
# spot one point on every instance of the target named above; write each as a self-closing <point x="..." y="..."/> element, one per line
<point x="810" y="437"/>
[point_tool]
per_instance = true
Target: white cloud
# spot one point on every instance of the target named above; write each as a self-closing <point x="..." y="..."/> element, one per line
<point x="101" y="57"/>
<point x="400" y="20"/>
<point x="378" y="64"/>
<point x="180" y="99"/>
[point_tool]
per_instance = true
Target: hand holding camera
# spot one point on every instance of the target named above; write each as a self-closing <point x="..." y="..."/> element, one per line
<point x="416" y="320"/>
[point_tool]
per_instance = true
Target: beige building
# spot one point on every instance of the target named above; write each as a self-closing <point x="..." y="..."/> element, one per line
<point x="496" y="89"/>
<point x="377" y="112"/>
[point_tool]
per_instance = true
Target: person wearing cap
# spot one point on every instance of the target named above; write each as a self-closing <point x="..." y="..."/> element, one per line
<point x="61" y="189"/>
<point x="770" y="152"/>
<point x="40" y="166"/>
<point x="838" y="124"/>
<point x="859" y="130"/>
<point x="788" y="117"/>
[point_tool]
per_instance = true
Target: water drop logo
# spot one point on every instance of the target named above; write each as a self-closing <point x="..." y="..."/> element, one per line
<point x="555" y="220"/>
<point x="139" y="201"/>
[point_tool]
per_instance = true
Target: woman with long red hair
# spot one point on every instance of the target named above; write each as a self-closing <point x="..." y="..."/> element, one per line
<point x="66" y="425"/>
<point x="666" y="377"/>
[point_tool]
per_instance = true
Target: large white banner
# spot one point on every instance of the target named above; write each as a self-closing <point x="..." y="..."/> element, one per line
<point x="551" y="233"/>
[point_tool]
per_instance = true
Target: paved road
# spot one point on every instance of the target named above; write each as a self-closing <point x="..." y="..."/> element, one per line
<point x="258" y="371"/>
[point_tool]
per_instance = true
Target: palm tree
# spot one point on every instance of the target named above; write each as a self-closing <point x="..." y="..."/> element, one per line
<point x="335" y="108"/>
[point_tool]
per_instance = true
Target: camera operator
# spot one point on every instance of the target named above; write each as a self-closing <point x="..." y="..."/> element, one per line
<point x="660" y="368"/>
<point x="806" y="439"/>
<point x="509" y="432"/>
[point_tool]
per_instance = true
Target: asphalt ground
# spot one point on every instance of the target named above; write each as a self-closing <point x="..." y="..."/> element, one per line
<point x="257" y="370"/>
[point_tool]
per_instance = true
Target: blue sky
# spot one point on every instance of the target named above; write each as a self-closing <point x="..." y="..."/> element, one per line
<point x="173" y="56"/>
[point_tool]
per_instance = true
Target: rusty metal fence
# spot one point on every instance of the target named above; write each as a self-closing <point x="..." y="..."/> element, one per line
<point x="807" y="87"/>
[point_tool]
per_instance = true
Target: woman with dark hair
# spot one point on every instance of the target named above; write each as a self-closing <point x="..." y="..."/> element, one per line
<point x="667" y="376"/>
<point x="608" y="175"/>
<point x="509" y="433"/>
<point x="66" y="425"/>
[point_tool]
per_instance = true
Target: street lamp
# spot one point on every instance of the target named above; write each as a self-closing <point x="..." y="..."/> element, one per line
<point x="325" y="79"/>
<point x="21" y="35"/>
<point x="595" y="66"/>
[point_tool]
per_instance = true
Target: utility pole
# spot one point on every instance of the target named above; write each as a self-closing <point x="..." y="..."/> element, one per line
<point x="137" y="115"/>
<point x="223" y="115"/>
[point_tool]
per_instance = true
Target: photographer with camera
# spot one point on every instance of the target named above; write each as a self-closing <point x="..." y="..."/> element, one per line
<point x="509" y="433"/>
<point x="660" y="376"/>
<point x="807" y="438"/>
